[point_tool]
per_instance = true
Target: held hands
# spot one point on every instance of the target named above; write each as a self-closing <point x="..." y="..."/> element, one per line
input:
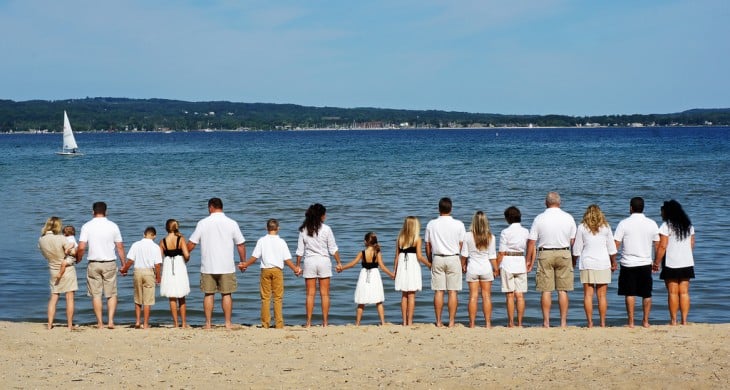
<point x="298" y="271"/>
<point x="242" y="266"/>
<point x="339" y="268"/>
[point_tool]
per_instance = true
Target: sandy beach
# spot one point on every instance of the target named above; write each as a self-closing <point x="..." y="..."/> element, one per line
<point x="419" y="356"/>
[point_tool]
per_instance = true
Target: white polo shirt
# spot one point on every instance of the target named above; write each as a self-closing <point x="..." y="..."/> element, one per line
<point x="101" y="236"/>
<point x="679" y="253"/>
<point x="217" y="235"/>
<point x="319" y="246"/>
<point x="513" y="239"/>
<point x="145" y="253"/>
<point x="637" y="235"/>
<point x="479" y="260"/>
<point x="272" y="251"/>
<point x="445" y="235"/>
<point x="553" y="228"/>
<point x="594" y="249"/>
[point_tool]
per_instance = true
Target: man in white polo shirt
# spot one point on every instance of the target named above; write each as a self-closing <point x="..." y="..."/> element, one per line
<point x="217" y="235"/>
<point x="552" y="233"/>
<point x="636" y="236"/>
<point x="101" y="237"/>
<point x="444" y="237"/>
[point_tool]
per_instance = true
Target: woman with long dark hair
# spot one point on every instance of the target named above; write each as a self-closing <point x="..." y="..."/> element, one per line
<point x="315" y="245"/>
<point x="676" y="241"/>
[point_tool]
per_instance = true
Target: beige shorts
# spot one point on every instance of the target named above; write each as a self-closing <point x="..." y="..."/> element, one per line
<point x="218" y="283"/>
<point x="144" y="286"/>
<point x="595" y="276"/>
<point x="101" y="279"/>
<point x="554" y="271"/>
<point x="513" y="282"/>
<point x="446" y="273"/>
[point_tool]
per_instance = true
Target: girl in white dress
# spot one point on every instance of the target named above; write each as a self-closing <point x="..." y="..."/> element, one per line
<point x="175" y="284"/>
<point x="407" y="271"/>
<point x="369" y="288"/>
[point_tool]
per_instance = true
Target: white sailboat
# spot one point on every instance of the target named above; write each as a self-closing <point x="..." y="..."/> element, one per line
<point x="70" y="148"/>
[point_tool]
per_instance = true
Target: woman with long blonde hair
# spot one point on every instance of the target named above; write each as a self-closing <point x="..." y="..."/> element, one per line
<point x="407" y="271"/>
<point x="479" y="261"/>
<point x="596" y="248"/>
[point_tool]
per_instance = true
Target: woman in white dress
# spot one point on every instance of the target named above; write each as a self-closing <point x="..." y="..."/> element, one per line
<point x="676" y="241"/>
<point x="175" y="284"/>
<point x="407" y="271"/>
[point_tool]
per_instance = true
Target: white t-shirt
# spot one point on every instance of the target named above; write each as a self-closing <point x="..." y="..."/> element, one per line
<point x="217" y="235"/>
<point x="478" y="260"/>
<point x="445" y="235"/>
<point x="679" y="253"/>
<point x="101" y="236"/>
<point x="272" y="251"/>
<point x="637" y="235"/>
<point x="319" y="246"/>
<point x="553" y="228"/>
<point x="594" y="250"/>
<point x="513" y="239"/>
<point x="145" y="253"/>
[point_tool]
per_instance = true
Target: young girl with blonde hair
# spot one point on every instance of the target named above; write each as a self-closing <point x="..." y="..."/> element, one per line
<point x="479" y="262"/>
<point x="407" y="271"/>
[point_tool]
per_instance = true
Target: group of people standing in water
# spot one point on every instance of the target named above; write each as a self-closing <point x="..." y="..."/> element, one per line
<point x="554" y="245"/>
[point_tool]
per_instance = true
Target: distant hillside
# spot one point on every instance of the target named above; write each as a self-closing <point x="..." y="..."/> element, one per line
<point x="120" y="114"/>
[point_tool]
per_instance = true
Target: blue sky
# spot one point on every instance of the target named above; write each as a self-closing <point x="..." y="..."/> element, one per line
<point x="509" y="57"/>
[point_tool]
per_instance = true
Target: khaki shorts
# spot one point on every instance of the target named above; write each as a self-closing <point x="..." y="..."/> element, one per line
<point x="144" y="286"/>
<point x="595" y="276"/>
<point x="101" y="279"/>
<point x="513" y="282"/>
<point x="446" y="273"/>
<point x="554" y="271"/>
<point x="218" y="283"/>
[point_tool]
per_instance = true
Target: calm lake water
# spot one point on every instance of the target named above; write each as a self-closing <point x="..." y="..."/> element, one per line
<point x="369" y="180"/>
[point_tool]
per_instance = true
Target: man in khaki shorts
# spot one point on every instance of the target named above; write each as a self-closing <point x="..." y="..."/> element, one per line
<point x="444" y="237"/>
<point x="217" y="235"/>
<point x="102" y="238"/>
<point x="553" y="233"/>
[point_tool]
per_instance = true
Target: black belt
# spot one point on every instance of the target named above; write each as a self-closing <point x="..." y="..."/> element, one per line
<point x="553" y="249"/>
<point x="101" y="261"/>
<point x="446" y="255"/>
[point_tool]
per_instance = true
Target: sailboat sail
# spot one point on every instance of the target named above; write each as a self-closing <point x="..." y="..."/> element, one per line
<point x="69" y="142"/>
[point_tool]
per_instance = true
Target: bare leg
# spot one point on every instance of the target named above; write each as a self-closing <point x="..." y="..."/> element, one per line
<point x="510" y="303"/>
<point x="227" y="306"/>
<point x="473" y="300"/>
<point x="563" y="305"/>
<point x="487" y="302"/>
<point x="70" y="309"/>
<point x="381" y="312"/>
<point x="588" y="302"/>
<point x="453" y="305"/>
<point x="545" y="303"/>
<point x="520" y="307"/>
<point x="673" y="299"/>
<point x="438" y="306"/>
<point x="404" y="307"/>
<point x="52" y="302"/>
<point x="97" y="305"/>
<point x="173" y="311"/>
<point x="411" y="306"/>
<point x="208" y="302"/>
<point x="137" y="315"/>
<point x="146" y="311"/>
<point x="358" y="314"/>
<point x="646" y="303"/>
<point x="324" y="296"/>
<point x="684" y="299"/>
<point x="630" y="303"/>
<point x="602" y="302"/>
<point x="111" y="308"/>
<point x="310" y="285"/>
<point x="183" y="312"/>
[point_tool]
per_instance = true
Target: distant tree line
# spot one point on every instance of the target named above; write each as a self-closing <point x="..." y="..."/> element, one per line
<point x="121" y="114"/>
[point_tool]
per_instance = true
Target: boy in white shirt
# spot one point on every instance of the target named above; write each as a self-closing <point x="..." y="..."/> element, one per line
<point x="273" y="252"/>
<point x="146" y="257"/>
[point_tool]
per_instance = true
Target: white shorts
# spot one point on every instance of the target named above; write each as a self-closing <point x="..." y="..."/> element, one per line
<point x="488" y="277"/>
<point x="513" y="282"/>
<point x="317" y="268"/>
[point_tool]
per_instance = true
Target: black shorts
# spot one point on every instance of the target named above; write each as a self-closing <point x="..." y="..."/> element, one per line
<point x="677" y="273"/>
<point x="635" y="281"/>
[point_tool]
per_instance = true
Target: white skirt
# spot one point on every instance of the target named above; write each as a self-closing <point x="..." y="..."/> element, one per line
<point x="408" y="274"/>
<point x="175" y="283"/>
<point x="369" y="287"/>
